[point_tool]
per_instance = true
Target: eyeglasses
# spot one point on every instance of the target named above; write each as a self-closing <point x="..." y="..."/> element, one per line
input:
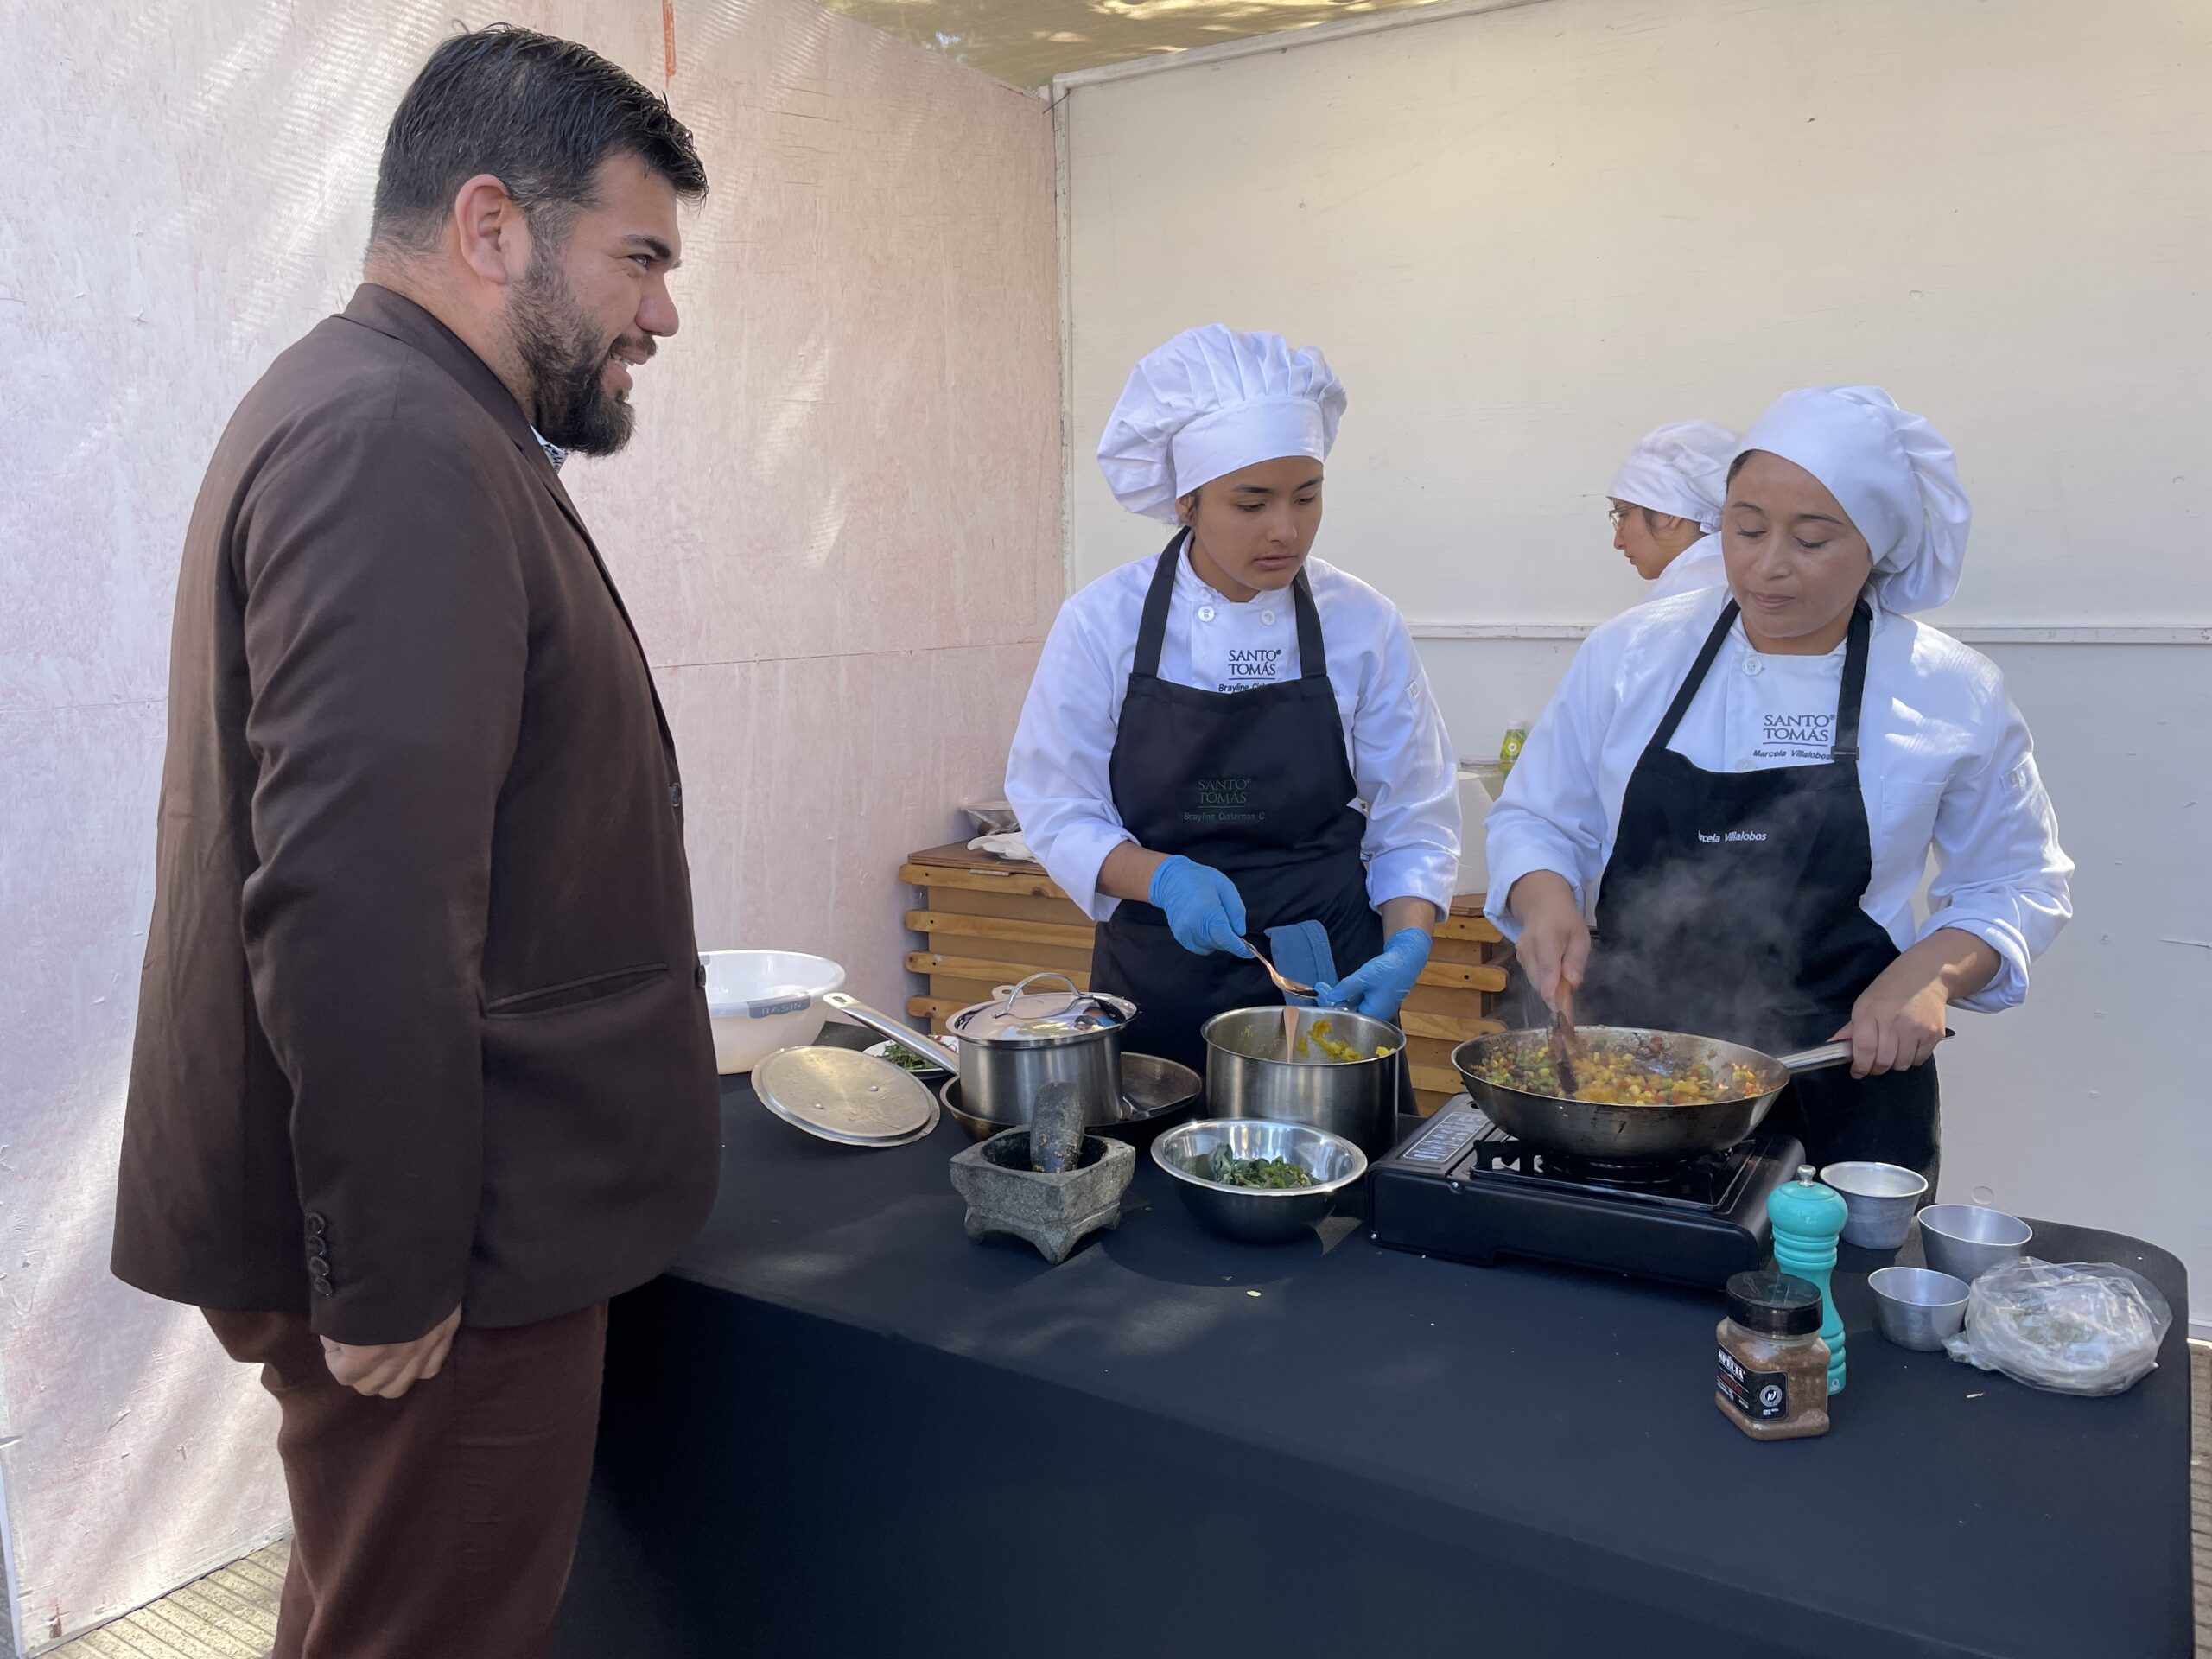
<point x="1614" y="515"/>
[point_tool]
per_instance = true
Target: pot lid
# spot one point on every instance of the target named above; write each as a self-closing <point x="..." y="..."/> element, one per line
<point x="1017" y="1017"/>
<point x="842" y="1094"/>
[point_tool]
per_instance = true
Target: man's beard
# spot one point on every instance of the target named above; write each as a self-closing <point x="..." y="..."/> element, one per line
<point x="567" y="361"/>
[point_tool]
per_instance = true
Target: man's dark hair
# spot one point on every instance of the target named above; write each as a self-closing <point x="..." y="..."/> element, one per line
<point x="538" y="114"/>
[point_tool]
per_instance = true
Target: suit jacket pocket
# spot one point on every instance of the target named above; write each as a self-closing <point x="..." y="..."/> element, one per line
<point x="598" y="987"/>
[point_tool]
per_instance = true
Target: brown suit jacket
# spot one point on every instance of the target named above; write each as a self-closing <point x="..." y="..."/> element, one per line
<point x="421" y="1022"/>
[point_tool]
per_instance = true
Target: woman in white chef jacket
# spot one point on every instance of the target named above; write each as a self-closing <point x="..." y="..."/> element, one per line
<point x="1748" y="781"/>
<point x="1665" y="506"/>
<point x="1231" y="735"/>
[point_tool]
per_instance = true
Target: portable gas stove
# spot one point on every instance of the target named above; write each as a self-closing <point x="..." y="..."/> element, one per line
<point x="1459" y="1186"/>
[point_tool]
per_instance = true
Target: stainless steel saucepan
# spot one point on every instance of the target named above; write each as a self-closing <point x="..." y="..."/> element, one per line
<point x="1009" y="1048"/>
<point x="1254" y="1070"/>
<point x="1583" y="1128"/>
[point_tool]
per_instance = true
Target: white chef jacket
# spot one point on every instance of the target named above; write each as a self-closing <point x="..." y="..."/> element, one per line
<point x="1945" y="762"/>
<point x="1693" y="570"/>
<point x="1401" y="759"/>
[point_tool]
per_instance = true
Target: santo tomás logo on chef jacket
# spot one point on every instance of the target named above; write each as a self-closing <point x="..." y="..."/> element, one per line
<point x="1770" y="712"/>
<point x="1241" y="648"/>
<point x="1252" y="666"/>
<point x="1802" y="738"/>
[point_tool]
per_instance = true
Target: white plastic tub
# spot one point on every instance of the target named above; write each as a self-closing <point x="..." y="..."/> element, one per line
<point x="762" y="1000"/>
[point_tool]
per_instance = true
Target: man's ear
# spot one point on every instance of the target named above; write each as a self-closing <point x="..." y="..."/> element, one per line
<point x="492" y="236"/>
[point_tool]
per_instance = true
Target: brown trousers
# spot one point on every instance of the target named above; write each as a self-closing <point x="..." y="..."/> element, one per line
<point x="439" y="1525"/>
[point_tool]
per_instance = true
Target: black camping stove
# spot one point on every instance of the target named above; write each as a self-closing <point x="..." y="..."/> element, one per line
<point x="1459" y="1186"/>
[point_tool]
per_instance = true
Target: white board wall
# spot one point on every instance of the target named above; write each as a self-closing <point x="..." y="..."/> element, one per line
<point x="1524" y="236"/>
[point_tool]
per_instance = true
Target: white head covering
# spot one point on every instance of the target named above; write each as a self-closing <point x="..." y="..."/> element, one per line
<point x="1680" y="468"/>
<point x="1894" y="474"/>
<point x="1208" y="402"/>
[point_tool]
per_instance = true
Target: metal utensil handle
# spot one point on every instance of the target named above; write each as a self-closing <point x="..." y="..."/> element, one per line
<point x="1814" y="1059"/>
<point x="1014" y="992"/>
<point x="1827" y="1054"/>
<point x="920" y="1042"/>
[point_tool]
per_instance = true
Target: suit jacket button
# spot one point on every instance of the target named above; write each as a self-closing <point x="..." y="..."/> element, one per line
<point x="316" y="1225"/>
<point x="675" y="795"/>
<point x="318" y="1266"/>
<point x="699" y="976"/>
<point x="322" y="1287"/>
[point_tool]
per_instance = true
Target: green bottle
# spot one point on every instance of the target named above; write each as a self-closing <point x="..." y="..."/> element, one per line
<point x="1807" y="1218"/>
<point x="1517" y="739"/>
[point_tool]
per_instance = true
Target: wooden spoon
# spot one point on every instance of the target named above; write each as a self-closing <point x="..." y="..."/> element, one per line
<point x="1562" y="1033"/>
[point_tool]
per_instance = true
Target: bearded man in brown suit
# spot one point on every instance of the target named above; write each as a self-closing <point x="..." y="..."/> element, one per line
<point x="423" y="1071"/>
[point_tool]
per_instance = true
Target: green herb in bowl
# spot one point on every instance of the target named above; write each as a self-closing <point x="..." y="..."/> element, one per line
<point x="1225" y="1166"/>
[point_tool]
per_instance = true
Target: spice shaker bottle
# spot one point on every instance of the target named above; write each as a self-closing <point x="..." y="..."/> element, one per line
<point x="1807" y="1218"/>
<point x="1773" y="1381"/>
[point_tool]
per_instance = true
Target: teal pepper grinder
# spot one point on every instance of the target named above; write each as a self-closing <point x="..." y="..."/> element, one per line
<point x="1807" y="1218"/>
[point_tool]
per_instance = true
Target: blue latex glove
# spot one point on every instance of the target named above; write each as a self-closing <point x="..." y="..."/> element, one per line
<point x="1204" y="911"/>
<point x="1382" y="983"/>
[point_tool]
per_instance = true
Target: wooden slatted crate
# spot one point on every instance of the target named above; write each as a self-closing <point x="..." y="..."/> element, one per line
<point x="986" y="922"/>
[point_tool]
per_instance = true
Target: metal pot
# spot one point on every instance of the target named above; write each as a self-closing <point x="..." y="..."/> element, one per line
<point x="1009" y="1048"/>
<point x="1154" y="1094"/>
<point x="1251" y="1072"/>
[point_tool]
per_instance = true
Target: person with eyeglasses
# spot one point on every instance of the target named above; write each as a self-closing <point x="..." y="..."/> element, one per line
<point x="1743" y="787"/>
<point x="1231" y="737"/>
<point x="1665" y="506"/>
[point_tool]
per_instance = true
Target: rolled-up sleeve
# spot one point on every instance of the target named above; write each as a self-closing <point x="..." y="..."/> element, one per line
<point x="1551" y="814"/>
<point x="2001" y="875"/>
<point x="1403" y="765"/>
<point x="1057" y="771"/>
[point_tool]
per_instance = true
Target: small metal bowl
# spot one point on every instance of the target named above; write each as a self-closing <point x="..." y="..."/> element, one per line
<point x="1966" y="1240"/>
<point x="1879" y="1200"/>
<point x="1916" y="1307"/>
<point x="1259" y="1214"/>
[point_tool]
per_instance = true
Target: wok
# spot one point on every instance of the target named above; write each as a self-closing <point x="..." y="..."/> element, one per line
<point x="1582" y="1128"/>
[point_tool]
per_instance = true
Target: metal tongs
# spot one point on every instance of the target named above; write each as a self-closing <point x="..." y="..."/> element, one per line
<point x="1563" y="1033"/>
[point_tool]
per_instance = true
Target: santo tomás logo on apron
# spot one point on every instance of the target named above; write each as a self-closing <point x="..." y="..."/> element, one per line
<point x="1222" y="800"/>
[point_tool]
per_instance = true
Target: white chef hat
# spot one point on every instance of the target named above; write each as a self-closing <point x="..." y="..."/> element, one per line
<point x="1680" y="468"/>
<point x="1893" y="474"/>
<point x="1211" y="400"/>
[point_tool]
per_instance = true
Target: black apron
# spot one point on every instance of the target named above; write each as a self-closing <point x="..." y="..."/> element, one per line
<point x="1254" y="784"/>
<point x="1731" y="908"/>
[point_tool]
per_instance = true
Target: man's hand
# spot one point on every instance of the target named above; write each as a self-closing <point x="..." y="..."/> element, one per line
<point x="388" y="1369"/>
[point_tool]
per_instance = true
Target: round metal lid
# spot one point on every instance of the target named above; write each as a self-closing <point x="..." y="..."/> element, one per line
<point x="843" y="1095"/>
<point x="1018" y="1017"/>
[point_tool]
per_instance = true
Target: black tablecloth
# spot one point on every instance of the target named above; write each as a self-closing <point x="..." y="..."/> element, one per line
<point x="839" y="1428"/>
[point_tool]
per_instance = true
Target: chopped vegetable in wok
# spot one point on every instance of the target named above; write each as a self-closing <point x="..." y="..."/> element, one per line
<point x="1615" y="1076"/>
<point x="1342" y="1053"/>
<point x="1225" y="1166"/>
